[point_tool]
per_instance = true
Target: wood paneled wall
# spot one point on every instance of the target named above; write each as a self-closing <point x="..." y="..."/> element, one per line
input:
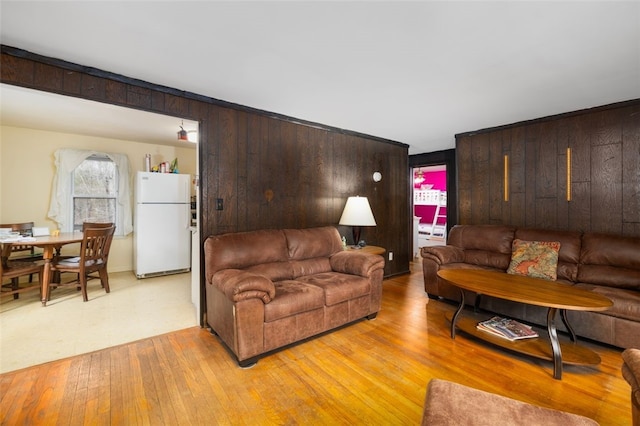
<point x="273" y="173"/>
<point x="604" y="172"/>
<point x="270" y="171"/>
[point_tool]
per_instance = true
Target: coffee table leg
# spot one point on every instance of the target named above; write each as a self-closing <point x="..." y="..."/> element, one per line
<point x="476" y="303"/>
<point x="555" y="344"/>
<point x="454" y="319"/>
<point x="565" y="320"/>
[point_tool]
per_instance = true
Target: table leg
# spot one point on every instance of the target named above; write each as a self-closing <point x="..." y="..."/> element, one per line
<point x="565" y="320"/>
<point x="47" y="255"/>
<point x="555" y="344"/>
<point x="476" y="303"/>
<point x="454" y="319"/>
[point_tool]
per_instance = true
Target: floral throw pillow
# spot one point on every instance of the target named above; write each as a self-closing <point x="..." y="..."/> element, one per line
<point x="537" y="259"/>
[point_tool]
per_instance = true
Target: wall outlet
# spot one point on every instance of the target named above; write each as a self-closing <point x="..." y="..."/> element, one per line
<point x="390" y="255"/>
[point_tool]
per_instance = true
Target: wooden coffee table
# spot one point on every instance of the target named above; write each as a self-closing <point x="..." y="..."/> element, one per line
<point x="532" y="291"/>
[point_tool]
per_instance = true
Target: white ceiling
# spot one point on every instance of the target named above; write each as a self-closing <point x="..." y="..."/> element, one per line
<point x="414" y="72"/>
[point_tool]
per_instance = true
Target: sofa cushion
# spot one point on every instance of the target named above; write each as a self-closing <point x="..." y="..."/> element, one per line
<point x="610" y="260"/>
<point x="538" y="259"/>
<point x="293" y="297"/>
<point x="569" y="254"/>
<point x="313" y="242"/>
<point x="275" y="271"/>
<point x="243" y="249"/>
<point x="313" y="266"/>
<point x="484" y="245"/>
<point x="626" y="303"/>
<point x="482" y="237"/>
<point x="339" y="287"/>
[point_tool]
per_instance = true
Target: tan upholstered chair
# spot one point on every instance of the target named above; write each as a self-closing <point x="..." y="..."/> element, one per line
<point x="94" y="254"/>
<point x="631" y="373"/>
<point x="452" y="404"/>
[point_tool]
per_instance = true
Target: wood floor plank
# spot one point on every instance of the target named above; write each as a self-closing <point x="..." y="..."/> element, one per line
<point x="50" y="395"/>
<point x="98" y="390"/>
<point x="15" y="393"/>
<point x="116" y="374"/>
<point x="370" y="372"/>
<point x="160" y="375"/>
<point x="81" y="391"/>
<point x="70" y="382"/>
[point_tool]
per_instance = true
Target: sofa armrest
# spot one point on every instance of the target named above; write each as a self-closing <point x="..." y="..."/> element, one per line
<point x="631" y="367"/>
<point x="434" y="258"/>
<point x="240" y="285"/>
<point x="443" y="254"/>
<point x="355" y="263"/>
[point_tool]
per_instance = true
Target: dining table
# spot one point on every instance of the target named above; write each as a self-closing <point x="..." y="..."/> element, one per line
<point x="50" y="245"/>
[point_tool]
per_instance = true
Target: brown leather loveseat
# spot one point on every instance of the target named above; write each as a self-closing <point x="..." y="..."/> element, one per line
<point x="605" y="264"/>
<point x="267" y="289"/>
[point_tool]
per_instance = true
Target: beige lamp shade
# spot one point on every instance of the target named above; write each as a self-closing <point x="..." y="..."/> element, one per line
<point x="357" y="212"/>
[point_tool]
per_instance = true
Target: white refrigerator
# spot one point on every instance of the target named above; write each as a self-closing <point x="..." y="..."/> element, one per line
<point x="162" y="220"/>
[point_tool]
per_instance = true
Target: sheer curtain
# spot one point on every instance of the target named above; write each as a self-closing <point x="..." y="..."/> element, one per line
<point x="66" y="160"/>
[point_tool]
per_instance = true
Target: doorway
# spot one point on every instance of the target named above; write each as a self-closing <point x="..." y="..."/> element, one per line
<point x="433" y="198"/>
<point x="429" y="206"/>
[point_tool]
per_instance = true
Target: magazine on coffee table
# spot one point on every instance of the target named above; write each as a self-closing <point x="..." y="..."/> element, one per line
<point x="507" y="328"/>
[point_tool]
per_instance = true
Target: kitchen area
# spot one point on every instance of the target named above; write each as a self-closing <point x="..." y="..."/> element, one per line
<point x="36" y="124"/>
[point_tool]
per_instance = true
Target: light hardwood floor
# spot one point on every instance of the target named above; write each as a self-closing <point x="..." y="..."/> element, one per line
<point x="372" y="372"/>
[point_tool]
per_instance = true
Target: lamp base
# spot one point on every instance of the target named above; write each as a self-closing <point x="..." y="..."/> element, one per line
<point x="356" y="230"/>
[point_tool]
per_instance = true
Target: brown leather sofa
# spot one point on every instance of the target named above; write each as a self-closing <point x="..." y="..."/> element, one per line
<point x="605" y="264"/>
<point x="267" y="289"/>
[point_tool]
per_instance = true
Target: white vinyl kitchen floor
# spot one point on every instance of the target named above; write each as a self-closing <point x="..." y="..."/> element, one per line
<point x="134" y="309"/>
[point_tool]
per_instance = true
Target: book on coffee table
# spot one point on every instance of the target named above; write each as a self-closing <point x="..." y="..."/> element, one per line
<point x="507" y="328"/>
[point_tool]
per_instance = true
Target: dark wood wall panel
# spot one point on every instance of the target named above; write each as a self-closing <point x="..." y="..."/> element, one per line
<point x="495" y="177"/>
<point x="516" y="205"/>
<point x="631" y="171"/>
<point x="227" y="166"/>
<point x="606" y="187"/>
<point x="604" y="178"/>
<point x="465" y="174"/>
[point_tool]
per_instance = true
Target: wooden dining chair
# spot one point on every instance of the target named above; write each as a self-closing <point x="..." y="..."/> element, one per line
<point x="94" y="254"/>
<point x="85" y="225"/>
<point x="26" y="253"/>
<point x="25" y="229"/>
<point x="19" y="261"/>
<point x="13" y="270"/>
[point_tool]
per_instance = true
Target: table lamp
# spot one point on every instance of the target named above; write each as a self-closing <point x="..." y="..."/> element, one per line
<point x="357" y="213"/>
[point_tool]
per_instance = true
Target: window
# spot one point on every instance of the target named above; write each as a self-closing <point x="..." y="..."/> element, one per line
<point x="95" y="191"/>
<point x="91" y="186"/>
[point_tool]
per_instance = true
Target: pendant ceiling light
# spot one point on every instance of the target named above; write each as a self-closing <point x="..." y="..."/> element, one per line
<point x="182" y="134"/>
